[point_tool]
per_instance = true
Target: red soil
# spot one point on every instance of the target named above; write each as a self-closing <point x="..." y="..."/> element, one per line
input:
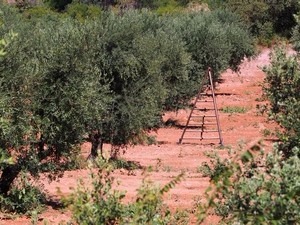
<point x="169" y="158"/>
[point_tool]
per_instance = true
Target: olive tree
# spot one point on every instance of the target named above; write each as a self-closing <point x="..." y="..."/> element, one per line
<point x="139" y="59"/>
<point x="213" y="39"/>
<point x="52" y="96"/>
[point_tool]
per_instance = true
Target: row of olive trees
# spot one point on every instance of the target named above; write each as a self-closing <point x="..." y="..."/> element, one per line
<point x="106" y="80"/>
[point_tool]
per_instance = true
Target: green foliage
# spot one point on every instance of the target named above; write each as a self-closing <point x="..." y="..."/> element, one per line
<point x="82" y="12"/>
<point x="5" y="42"/>
<point x="24" y="198"/>
<point x="296" y="34"/>
<point x="39" y="12"/>
<point x="255" y="13"/>
<point x="162" y="4"/>
<point x="254" y="188"/>
<point x="49" y="94"/>
<point x="264" y="18"/>
<point x="215" y="169"/>
<point x="282" y="84"/>
<point x="216" y="39"/>
<point x="101" y="204"/>
<point x="215" y="4"/>
<point x="169" y="9"/>
<point x="234" y="109"/>
<point x="213" y="39"/>
<point x="282" y="16"/>
<point x="144" y="64"/>
<point x="124" y="164"/>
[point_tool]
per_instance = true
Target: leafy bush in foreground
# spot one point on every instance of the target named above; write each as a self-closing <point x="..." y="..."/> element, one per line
<point x="254" y="188"/>
<point x="24" y="198"/>
<point x="282" y="84"/>
<point x="102" y="204"/>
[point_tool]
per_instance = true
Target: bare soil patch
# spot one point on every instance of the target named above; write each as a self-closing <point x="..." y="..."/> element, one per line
<point x="168" y="158"/>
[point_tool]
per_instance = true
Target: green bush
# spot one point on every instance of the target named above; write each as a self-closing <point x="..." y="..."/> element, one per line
<point x="254" y="188"/>
<point x="39" y="12"/>
<point x="82" y="12"/>
<point x="24" y="198"/>
<point x="234" y="109"/>
<point x="101" y="204"/>
<point x="282" y="89"/>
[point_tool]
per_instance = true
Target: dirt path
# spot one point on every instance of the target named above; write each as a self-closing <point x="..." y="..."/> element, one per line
<point x="168" y="159"/>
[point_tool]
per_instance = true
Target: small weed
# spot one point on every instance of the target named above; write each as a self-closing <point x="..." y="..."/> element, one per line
<point x="34" y="218"/>
<point x="124" y="164"/>
<point x="241" y="143"/>
<point x="101" y="204"/>
<point x="180" y="217"/>
<point x="167" y="169"/>
<point x="144" y="139"/>
<point x="149" y="169"/>
<point x="266" y="132"/>
<point x="222" y="147"/>
<point x="261" y="109"/>
<point x="151" y="140"/>
<point x="230" y="129"/>
<point x="158" y="164"/>
<point x="234" y="109"/>
<point x="119" y="163"/>
<point x="199" y="169"/>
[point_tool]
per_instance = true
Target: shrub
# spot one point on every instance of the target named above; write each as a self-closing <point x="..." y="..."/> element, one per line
<point x="24" y="198"/>
<point x="282" y="89"/>
<point x="39" y="12"/>
<point x="254" y="188"/>
<point x="233" y="109"/>
<point x="101" y="204"/>
<point x="82" y="12"/>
